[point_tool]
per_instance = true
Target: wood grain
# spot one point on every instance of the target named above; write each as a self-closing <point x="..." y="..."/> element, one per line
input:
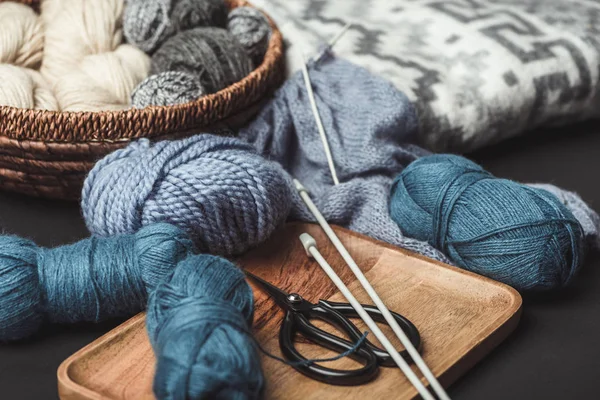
<point x="461" y="317"/>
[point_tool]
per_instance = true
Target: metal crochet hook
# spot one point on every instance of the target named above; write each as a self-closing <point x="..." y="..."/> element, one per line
<point x="412" y="351"/>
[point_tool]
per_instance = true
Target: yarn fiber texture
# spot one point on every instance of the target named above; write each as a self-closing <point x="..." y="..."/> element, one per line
<point x="21" y="36"/>
<point x="252" y="29"/>
<point x="149" y="23"/>
<point x="519" y="235"/>
<point x="218" y="189"/>
<point x="25" y="88"/>
<point x="199" y="323"/>
<point x="91" y="280"/>
<point x="21" y="49"/>
<point x="167" y="88"/>
<point x="212" y="54"/>
<point x="85" y="60"/>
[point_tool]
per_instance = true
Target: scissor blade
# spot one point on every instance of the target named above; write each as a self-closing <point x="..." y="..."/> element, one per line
<point x="279" y="295"/>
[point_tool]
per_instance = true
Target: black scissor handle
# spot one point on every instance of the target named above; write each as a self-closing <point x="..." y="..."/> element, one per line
<point x="297" y="323"/>
<point x="383" y="357"/>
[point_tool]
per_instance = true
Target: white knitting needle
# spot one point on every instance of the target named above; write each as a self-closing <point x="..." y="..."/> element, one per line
<point x="438" y="389"/>
<point x="337" y="37"/>
<point x="414" y="353"/>
<point x="333" y="41"/>
<point x="310" y="245"/>
<point x="313" y="104"/>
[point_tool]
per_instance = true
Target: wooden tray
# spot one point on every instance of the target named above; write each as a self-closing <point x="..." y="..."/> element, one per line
<point x="461" y="317"/>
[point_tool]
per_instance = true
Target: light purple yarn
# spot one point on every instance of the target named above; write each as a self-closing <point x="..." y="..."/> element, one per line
<point x="218" y="189"/>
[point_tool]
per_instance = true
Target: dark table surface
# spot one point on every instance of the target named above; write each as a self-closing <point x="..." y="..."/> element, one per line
<point x="553" y="354"/>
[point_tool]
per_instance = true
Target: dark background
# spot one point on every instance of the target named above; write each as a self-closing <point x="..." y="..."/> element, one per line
<point x="553" y="354"/>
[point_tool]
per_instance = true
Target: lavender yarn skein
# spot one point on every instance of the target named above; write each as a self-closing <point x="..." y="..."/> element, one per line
<point x="149" y="23"/>
<point x="217" y="189"/>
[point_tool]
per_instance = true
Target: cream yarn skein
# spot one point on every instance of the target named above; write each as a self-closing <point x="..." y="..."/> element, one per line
<point x="84" y="58"/>
<point x="21" y="35"/>
<point x="21" y="47"/>
<point x="103" y="81"/>
<point x="77" y="28"/>
<point x="25" y="88"/>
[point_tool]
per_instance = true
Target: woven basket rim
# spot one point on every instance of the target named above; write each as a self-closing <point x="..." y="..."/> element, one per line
<point x="31" y="120"/>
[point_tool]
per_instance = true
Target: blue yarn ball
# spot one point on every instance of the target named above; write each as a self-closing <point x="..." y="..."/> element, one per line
<point x="91" y="280"/>
<point x="218" y="189"/>
<point x="510" y="232"/>
<point x="199" y="323"/>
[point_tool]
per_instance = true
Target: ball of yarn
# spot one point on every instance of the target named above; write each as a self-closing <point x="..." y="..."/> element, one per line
<point x="21" y="35"/>
<point x="85" y="61"/>
<point x="199" y="323"/>
<point x="25" y="88"/>
<point x="211" y="54"/>
<point x="149" y="23"/>
<point x="218" y="189"/>
<point x="252" y="29"/>
<point x="167" y="88"/>
<point x="499" y="228"/>
<point x="90" y="280"/>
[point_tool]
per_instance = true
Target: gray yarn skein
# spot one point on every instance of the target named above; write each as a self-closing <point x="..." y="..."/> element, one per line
<point x="252" y="29"/>
<point x="149" y="23"/>
<point x="166" y="89"/>
<point x="211" y="54"/>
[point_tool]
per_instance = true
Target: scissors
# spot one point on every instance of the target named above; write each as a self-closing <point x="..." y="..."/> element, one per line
<point x="299" y="313"/>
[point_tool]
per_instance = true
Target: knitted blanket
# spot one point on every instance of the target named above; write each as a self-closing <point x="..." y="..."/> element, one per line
<point x="477" y="71"/>
<point x="369" y="126"/>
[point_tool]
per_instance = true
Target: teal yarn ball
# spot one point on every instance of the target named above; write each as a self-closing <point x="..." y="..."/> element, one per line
<point x="88" y="281"/>
<point x="199" y="323"/>
<point x="502" y="229"/>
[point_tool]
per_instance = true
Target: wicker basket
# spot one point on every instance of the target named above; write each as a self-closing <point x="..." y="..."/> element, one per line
<point x="48" y="153"/>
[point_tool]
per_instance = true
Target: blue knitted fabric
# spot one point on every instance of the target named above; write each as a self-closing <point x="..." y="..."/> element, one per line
<point x="369" y="126"/>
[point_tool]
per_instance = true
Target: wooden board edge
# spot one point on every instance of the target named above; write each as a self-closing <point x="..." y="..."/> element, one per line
<point x="511" y="292"/>
<point x="482" y="349"/>
<point x="68" y="388"/>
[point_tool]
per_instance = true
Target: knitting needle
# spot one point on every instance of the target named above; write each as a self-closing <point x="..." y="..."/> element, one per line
<point x="313" y="105"/>
<point x="438" y="389"/>
<point x="310" y="245"/>
<point x="333" y="41"/>
<point x="337" y="37"/>
<point x="414" y="354"/>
